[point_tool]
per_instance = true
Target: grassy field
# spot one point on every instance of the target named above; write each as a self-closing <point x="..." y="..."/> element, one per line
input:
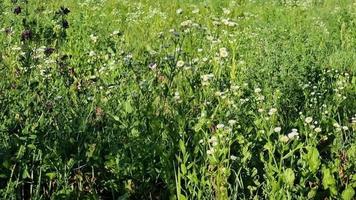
<point x="160" y="99"/>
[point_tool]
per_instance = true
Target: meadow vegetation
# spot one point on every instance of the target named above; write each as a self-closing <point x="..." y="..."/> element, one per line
<point x="161" y="99"/>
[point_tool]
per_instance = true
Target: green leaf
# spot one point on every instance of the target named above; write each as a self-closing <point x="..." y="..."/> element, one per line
<point x="313" y="159"/>
<point x="183" y="169"/>
<point x="182" y="197"/>
<point x="311" y="194"/>
<point x="329" y="181"/>
<point x="25" y="173"/>
<point x="348" y="193"/>
<point x="182" y="146"/>
<point x="51" y="175"/>
<point x="289" y="177"/>
<point x="127" y="107"/>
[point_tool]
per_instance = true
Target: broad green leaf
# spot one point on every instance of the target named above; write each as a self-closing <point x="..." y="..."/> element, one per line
<point x="348" y="193"/>
<point x="313" y="159"/>
<point x="329" y="180"/>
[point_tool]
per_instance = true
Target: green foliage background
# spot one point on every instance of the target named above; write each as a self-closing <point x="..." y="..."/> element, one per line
<point x="94" y="105"/>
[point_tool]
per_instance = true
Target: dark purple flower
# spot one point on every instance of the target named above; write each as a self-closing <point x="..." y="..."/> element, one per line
<point x="17" y="10"/>
<point x="8" y="31"/>
<point x="26" y="35"/>
<point x="65" y="10"/>
<point x="65" y="24"/>
<point x="48" y="51"/>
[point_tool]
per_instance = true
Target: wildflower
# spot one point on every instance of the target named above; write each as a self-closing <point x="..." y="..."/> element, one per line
<point x="180" y="63"/>
<point x="308" y="120"/>
<point x="116" y="33"/>
<point x="152" y="66"/>
<point x="223" y="53"/>
<point x="195" y="11"/>
<point x="272" y="111"/>
<point x="232" y="122"/>
<point x="258" y="90"/>
<point x="345" y="128"/>
<point x="226" y="11"/>
<point x="176" y="96"/>
<point x="63" y="11"/>
<point x="293" y="134"/>
<point x="261" y="98"/>
<point x="26" y="35"/>
<point x="92" y="53"/>
<point x="48" y="51"/>
<point x="336" y="125"/>
<point x="220" y="126"/>
<point x="260" y="110"/>
<point x="218" y="93"/>
<point x="277" y="129"/>
<point x="179" y="11"/>
<point x="93" y="38"/>
<point x="186" y="23"/>
<point x="17" y="10"/>
<point x="65" y="24"/>
<point x="232" y="157"/>
<point x="210" y="151"/>
<point x="212" y="139"/>
<point x="318" y="130"/>
<point x="207" y="77"/>
<point x="235" y="87"/>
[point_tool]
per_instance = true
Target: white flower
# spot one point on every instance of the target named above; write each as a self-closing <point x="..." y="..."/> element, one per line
<point x="318" y="130"/>
<point x="235" y="87"/>
<point x="272" y="111"/>
<point x="212" y="139"/>
<point x="308" y="120"/>
<point x="258" y="90"/>
<point x="277" y="129"/>
<point x="336" y="125"/>
<point x="226" y="11"/>
<point x="195" y="11"/>
<point x="93" y="38"/>
<point x="223" y="52"/>
<point x="152" y="66"/>
<point x="220" y="126"/>
<point x="180" y="63"/>
<point x="232" y="122"/>
<point x="218" y="93"/>
<point x="232" y="157"/>
<point x="293" y="134"/>
<point x="176" y="95"/>
<point x="210" y="151"/>
<point x="260" y="110"/>
<point x="345" y="128"/>
<point x="92" y="53"/>
<point x="179" y="11"/>
<point x="186" y="23"/>
<point x="261" y="98"/>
